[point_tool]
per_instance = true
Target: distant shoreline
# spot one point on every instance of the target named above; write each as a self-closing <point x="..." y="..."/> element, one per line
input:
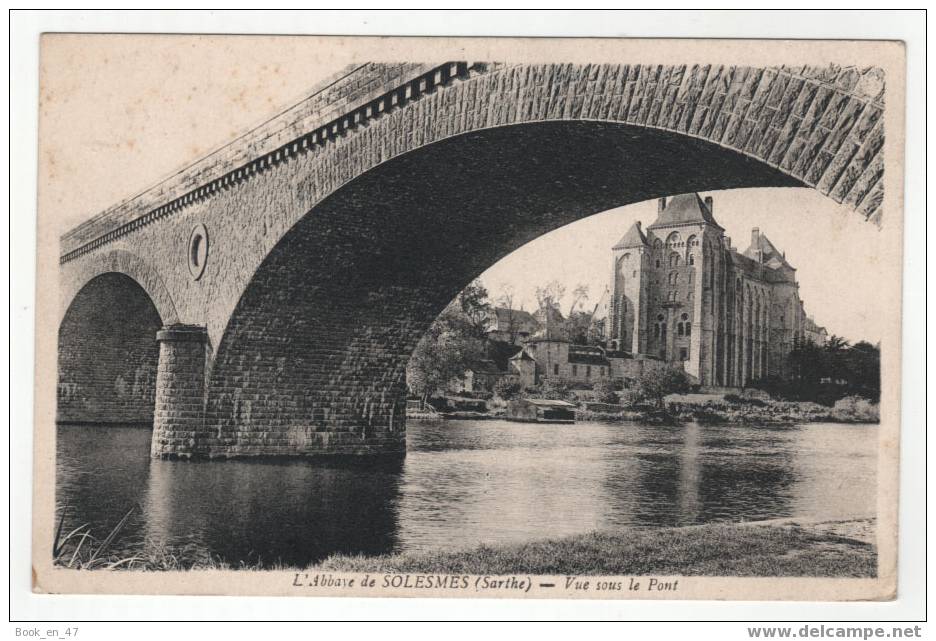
<point x="789" y="547"/>
<point x="686" y="409"/>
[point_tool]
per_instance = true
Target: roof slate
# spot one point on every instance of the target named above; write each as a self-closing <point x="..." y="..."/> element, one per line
<point x="682" y="209"/>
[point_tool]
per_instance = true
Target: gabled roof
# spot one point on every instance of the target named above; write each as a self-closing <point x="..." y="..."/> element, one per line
<point x="505" y="316"/>
<point x="682" y="209"/>
<point x="633" y="238"/>
<point x="521" y="356"/>
<point x="770" y="256"/>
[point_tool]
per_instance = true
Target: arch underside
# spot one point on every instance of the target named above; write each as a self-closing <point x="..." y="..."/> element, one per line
<point x="107" y="353"/>
<point x="118" y="261"/>
<point x="313" y="358"/>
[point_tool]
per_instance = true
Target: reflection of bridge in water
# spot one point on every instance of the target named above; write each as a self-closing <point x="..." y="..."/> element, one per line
<point x="287" y="277"/>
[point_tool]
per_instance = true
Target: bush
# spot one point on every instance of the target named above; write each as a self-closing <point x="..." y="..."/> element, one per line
<point x="735" y="399"/>
<point x="603" y="392"/>
<point x="557" y="389"/>
<point x="507" y="389"/>
<point x="655" y="384"/>
<point x="629" y="398"/>
<point x="855" y="408"/>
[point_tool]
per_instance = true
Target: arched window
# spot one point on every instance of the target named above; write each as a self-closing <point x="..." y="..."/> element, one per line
<point x="692" y="259"/>
<point x="674" y="260"/>
<point x="673" y="277"/>
<point x="688" y="329"/>
<point x="658" y="263"/>
<point x="679" y="329"/>
<point x="656" y="330"/>
<point x="673" y="239"/>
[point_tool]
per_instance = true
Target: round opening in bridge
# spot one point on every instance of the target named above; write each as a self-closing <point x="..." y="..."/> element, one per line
<point x="198" y="251"/>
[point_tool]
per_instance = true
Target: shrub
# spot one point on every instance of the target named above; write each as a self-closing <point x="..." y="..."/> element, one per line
<point x="556" y="389"/>
<point x="629" y="398"/>
<point x="656" y="384"/>
<point x="507" y="389"/>
<point x="603" y="391"/>
<point x="735" y="399"/>
<point x="855" y="408"/>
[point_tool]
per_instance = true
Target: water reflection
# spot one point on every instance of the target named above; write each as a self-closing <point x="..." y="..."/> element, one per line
<point x="463" y="483"/>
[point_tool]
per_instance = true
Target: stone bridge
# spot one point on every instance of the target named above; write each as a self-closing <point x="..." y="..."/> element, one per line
<point x="265" y="300"/>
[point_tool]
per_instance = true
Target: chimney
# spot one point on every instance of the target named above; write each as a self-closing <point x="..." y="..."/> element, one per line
<point x="661" y="205"/>
<point x="710" y="204"/>
<point x="755" y="236"/>
<point x="728" y="242"/>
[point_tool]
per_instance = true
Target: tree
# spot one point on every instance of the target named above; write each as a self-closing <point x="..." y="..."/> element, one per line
<point x="579" y="297"/>
<point x="863" y="366"/>
<point x="579" y="328"/>
<point x="448" y="348"/>
<point x="473" y="302"/>
<point x="656" y="383"/>
<point x="854" y="369"/>
<point x="506" y="302"/>
<point x="550" y="296"/>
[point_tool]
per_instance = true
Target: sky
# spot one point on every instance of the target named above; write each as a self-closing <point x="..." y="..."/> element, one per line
<point x="117" y="117"/>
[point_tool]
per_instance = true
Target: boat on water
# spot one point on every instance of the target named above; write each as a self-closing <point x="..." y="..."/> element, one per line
<point x="419" y="411"/>
<point x="540" y="410"/>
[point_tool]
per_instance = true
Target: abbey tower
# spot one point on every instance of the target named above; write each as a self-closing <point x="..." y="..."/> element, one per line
<point x="681" y="293"/>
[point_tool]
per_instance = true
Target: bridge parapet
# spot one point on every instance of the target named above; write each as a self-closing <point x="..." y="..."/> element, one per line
<point x="816" y="123"/>
<point x="321" y="114"/>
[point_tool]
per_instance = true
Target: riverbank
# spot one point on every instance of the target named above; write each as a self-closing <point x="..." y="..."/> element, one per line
<point x="843" y="548"/>
<point x="710" y="408"/>
<point x="769" y="548"/>
<point x="738" y="409"/>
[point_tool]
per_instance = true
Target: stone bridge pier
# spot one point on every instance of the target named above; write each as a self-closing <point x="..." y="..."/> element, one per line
<point x="265" y="300"/>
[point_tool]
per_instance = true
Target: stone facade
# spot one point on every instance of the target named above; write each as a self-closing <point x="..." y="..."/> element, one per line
<point x="681" y="293"/>
<point x="317" y="279"/>
<point x="558" y="358"/>
<point x="814" y="333"/>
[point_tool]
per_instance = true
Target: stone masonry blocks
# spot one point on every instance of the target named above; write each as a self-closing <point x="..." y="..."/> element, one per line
<point x="180" y="391"/>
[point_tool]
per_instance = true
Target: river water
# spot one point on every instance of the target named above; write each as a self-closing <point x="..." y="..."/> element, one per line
<point x="463" y="483"/>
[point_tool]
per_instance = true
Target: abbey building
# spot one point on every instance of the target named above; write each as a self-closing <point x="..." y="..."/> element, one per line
<point x="682" y="294"/>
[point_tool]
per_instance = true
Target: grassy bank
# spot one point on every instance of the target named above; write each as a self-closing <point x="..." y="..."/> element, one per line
<point x="783" y="548"/>
<point x="839" y="549"/>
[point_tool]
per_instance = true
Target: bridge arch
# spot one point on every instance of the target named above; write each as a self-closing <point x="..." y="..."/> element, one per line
<point x="313" y="357"/>
<point x="107" y="353"/>
<point x="118" y="261"/>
